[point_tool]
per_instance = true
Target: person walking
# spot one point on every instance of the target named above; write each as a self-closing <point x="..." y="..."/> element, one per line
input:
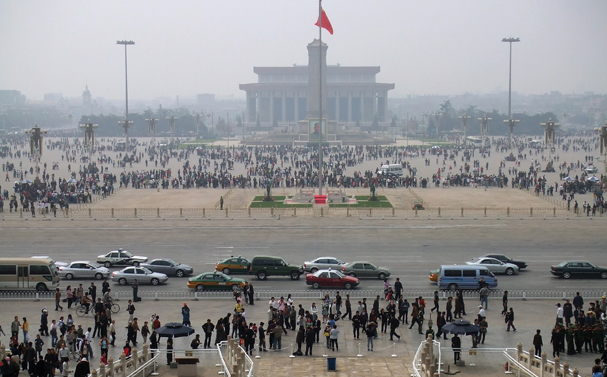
<point x="208" y="328"/>
<point x="251" y="293"/>
<point x="414" y="315"/>
<point x="310" y="338"/>
<point x="394" y="323"/>
<point x="334" y="335"/>
<point x="505" y="303"/>
<point x="398" y="287"/>
<point x="510" y="320"/>
<point x="169" y="350"/>
<point x="135" y="287"/>
<point x="15" y="326"/>
<point x="456" y="345"/>
<point x="371" y="333"/>
<point x="58" y="300"/>
<point x="185" y="313"/>
<point x="559" y="314"/>
<point x="449" y="307"/>
<point x="538" y="343"/>
<point x="484" y="296"/>
<point x="483" y="331"/>
<point x="348" y="305"/>
<point x="436" y="303"/>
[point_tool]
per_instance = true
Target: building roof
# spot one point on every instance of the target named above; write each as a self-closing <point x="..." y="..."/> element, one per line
<point x="330" y="69"/>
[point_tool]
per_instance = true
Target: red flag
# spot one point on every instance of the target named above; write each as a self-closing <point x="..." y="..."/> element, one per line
<point x="325" y="21"/>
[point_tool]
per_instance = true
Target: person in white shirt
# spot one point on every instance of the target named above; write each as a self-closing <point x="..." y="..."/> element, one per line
<point x="481" y="313"/>
<point x="559" y="313"/>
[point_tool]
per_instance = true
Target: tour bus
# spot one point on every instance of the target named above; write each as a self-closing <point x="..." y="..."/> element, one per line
<point x="391" y="170"/>
<point x="39" y="274"/>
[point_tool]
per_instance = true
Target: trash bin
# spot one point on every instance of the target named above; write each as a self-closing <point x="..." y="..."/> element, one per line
<point x="331" y="363"/>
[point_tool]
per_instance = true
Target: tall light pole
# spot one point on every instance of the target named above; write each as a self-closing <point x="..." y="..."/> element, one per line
<point x="437" y="117"/>
<point x="36" y="146"/>
<point x="210" y="115"/>
<point x="602" y="132"/>
<point x="511" y="124"/>
<point x="549" y="136"/>
<point x="197" y="118"/>
<point x="152" y="128"/>
<point x="171" y="120"/>
<point x="465" y="119"/>
<point x="125" y="123"/>
<point x="89" y="137"/>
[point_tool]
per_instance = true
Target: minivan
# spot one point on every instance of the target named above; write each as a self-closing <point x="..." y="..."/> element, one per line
<point x="454" y="277"/>
<point x="263" y="266"/>
<point x="392" y="170"/>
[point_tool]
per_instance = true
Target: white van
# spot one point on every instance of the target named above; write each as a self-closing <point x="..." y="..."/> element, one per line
<point x="391" y="170"/>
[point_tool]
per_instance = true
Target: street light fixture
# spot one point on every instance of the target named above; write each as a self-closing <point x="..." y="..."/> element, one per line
<point x="152" y="128"/>
<point x="549" y="137"/>
<point x="36" y="146"/>
<point x="89" y="137"/>
<point x="437" y="116"/>
<point x="511" y="124"/>
<point x="602" y="132"/>
<point x="484" y="128"/>
<point x="125" y="123"/>
<point x="465" y="119"/>
<point x="171" y="120"/>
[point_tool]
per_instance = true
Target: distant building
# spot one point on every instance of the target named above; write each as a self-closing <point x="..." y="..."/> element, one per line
<point x="205" y="101"/>
<point x="86" y="98"/>
<point x="11" y="98"/>
<point x="350" y="94"/>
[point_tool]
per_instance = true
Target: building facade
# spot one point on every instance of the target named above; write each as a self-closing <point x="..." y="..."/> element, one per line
<point x="350" y="94"/>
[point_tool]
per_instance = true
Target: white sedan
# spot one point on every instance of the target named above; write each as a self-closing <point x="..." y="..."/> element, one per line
<point x="83" y="270"/>
<point x="143" y="275"/>
<point x="495" y="266"/>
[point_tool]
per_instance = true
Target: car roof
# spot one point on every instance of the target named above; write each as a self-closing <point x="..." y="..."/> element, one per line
<point x="325" y="258"/>
<point x="461" y="266"/>
<point x="81" y="261"/>
<point x="479" y="258"/>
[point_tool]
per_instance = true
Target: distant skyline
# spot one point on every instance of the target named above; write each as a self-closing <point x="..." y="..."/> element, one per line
<point x="190" y="47"/>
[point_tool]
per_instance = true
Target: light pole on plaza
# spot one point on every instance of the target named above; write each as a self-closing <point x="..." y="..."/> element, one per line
<point x="197" y="118"/>
<point x="437" y="116"/>
<point x="126" y="123"/>
<point x="171" y="120"/>
<point x="210" y="115"/>
<point x="602" y="132"/>
<point x="465" y="119"/>
<point x="36" y="146"/>
<point x="549" y="136"/>
<point x="484" y="128"/>
<point x="511" y="122"/>
<point x="152" y="128"/>
<point x="89" y="137"/>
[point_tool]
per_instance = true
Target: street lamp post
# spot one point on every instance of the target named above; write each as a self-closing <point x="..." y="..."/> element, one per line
<point x="171" y="120"/>
<point x="465" y="119"/>
<point x="602" y="132"/>
<point x="152" y="128"/>
<point x="511" y="124"/>
<point x="484" y="129"/>
<point x="197" y="118"/>
<point x="437" y="116"/>
<point x="549" y="136"/>
<point x="126" y="123"/>
<point x="210" y="115"/>
<point x="89" y="138"/>
<point x="36" y="146"/>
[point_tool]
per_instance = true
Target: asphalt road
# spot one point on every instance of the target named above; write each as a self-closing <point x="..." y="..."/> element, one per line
<point x="410" y="249"/>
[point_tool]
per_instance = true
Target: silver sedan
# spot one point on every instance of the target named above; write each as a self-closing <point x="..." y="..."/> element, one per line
<point x="83" y="270"/>
<point x="495" y="266"/>
<point x="143" y="275"/>
<point x="169" y="267"/>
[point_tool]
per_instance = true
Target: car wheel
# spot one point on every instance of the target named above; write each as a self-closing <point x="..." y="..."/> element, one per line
<point x="98" y="276"/>
<point x="603" y="275"/>
<point x="107" y="264"/>
<point x="353" y="274"/>
<point x="295" y="275"/>
<point x="136" y="264"/>
<point x="41" y="287"/>
<point x="348" y="286"/>
<point x="122" y="281"/>
<point x="69" y="276"/>
<point x="381" y="276"/>
<point x="262" y="275"/>
<point x="315" y="285"/>
<point x="509" y="271"/>
<point x="566" y="275"/>
<point x="179" y="273"/>
<point x="452" y="287"/>
<point x="155" y="281"/>
<point x="200" y="288"/>
<point x="235" y="287"/>
<point x="226" y="271"/>
<point x="313" y="269"/>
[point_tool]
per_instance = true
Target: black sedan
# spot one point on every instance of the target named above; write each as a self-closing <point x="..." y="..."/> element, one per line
<point x="581" y="269"/>
<point x="505" y="259"/>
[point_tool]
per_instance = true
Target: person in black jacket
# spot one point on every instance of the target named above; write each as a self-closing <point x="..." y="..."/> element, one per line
<point x="83" y="368"/>
<point x="208" y="328"/>
<point x="299" y="339"/>
<point x="538" y="343"/>
<point x="310" y="338"/>
<point x="249" y="339"/>
<point x="456" y="345"/>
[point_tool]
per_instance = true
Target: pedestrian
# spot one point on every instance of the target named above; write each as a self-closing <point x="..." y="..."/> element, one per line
<point x="26" y="328"/>
<point x="356" y="325"/>
<point x="310" y="337"/>
<point x="440" y="322"/>
<point x="15" y="326"/>
<point x="69" y="295"/>
<point x="394" y="323"/>
<point x="251" y="293"/>
<point x="481" y="313"/>
<point x="414" y="315"/>
<point x="195" y="343"/>
<point x="135" y="287"/>
<point x="44" y="322"/>
<point x="559" y="314"/>
<point x="145" y="331"/>
<point x="169" y="350"/>
<point x="208" y="328"/>
<point x="456" y="345"/>
<point x="568" y="312"/>
<point x="578" y="301"/>
<point x="398" y="287"/>
<point x="483" y="331"/>
<point x="555" y="340"/>
<point x="112" y="333"/>
<point x="505" y="303"/>
<point x="334" y="335"/>
<point x="348" y="305"/>
<point x="185" y="313"/>
<point x="436" y="302"/>
<point x="510" y="320"/>
<point x="484" y="295"/>
<point x="538" y="343"/>
<point x="130" y="308"/>
<point x="449" y="307"/>
<point x="262" y="338"/>
<point x="93" y="291"/>
<point x="58" y="300"/>
<point x="82" y="368"/>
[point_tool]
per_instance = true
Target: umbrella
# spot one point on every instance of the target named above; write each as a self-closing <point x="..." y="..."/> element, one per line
<point x="593" y="179"/>
<point x="175" y="329"/>
<point x="568" y="179"/>
<point x="72" y="181"/>
<point x="26" y="181"/>
<point x="461" y="327"/>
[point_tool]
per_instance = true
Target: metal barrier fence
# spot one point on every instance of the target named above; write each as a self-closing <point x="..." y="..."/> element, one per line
<point x="319" y="294"/>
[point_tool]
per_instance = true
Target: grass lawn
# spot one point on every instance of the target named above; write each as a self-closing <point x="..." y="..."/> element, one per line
<point x="278" y="204"/>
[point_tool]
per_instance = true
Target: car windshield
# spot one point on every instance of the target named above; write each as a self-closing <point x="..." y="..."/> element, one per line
<point x="94" y="265"/>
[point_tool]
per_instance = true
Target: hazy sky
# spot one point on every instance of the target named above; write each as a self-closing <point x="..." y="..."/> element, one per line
<point x="186" y="47"/>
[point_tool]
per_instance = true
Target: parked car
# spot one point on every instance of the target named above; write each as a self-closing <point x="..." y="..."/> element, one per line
<point x="330" y="278"/>
<point x="505" y="259"/>
<point x="323" y="263"/>
<point x="495" y="266"/>
<point x="143" y="275"/>
<point x="364" y="269"/>
<point x="215" y="281"/>
<point x="83" y="270"/>
<point x="581" y="269"/>
<point x="454" y="277"/>
<point x="234" y="265"/>
<point x="120" y="258"/>
<point x="263" y="266"/>
<point x="591" y="169"/>
<point x="168" y="267"/>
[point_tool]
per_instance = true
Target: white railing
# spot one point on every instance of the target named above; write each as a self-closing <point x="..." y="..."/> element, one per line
<point x="124" y="364"/>
<point x="234" y="359"/>
<point x="427" y="360"/>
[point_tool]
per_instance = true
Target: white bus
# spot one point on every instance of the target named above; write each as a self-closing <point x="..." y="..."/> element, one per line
<point x="391" y="170"/>
<point x="38" y="274"/>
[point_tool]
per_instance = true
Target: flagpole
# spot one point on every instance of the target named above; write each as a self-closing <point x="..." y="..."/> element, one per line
<point x="320" y="98"/>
